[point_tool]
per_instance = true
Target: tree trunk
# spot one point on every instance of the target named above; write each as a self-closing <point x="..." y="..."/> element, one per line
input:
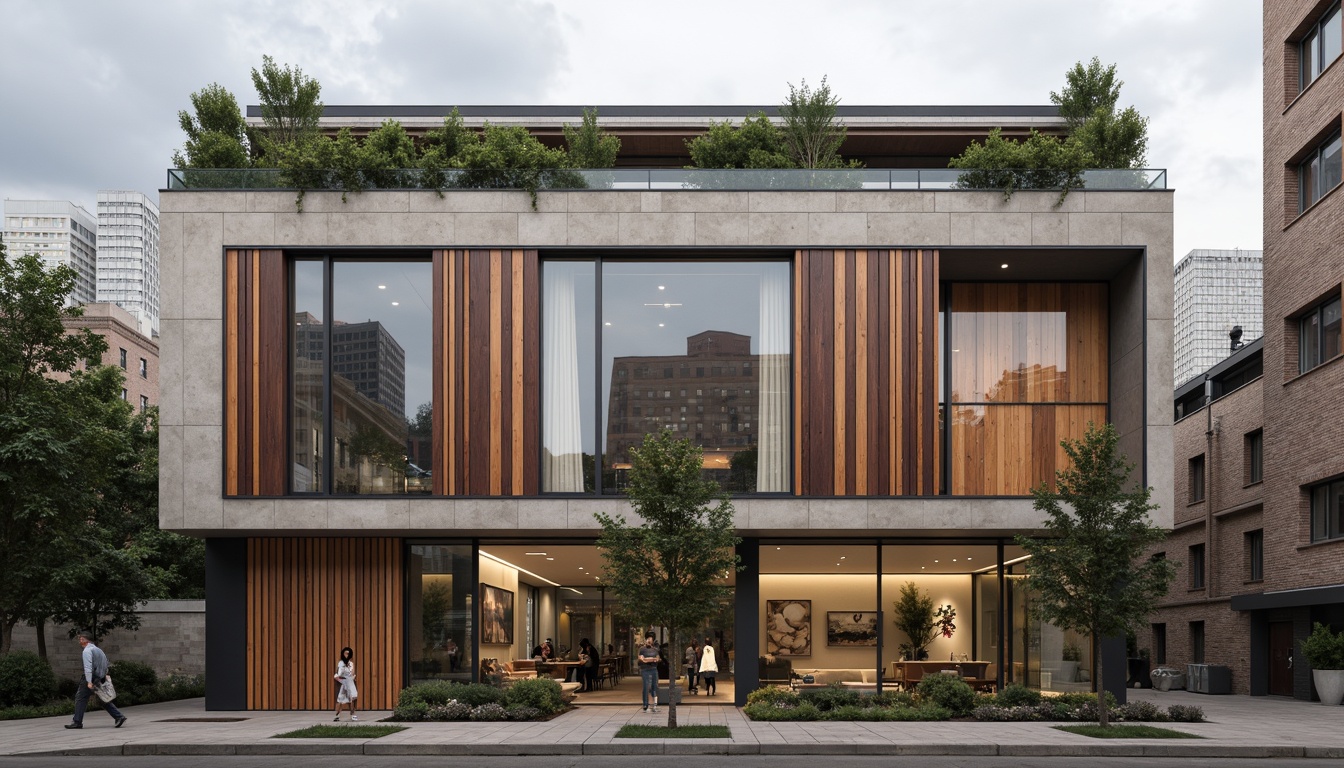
<point x="6" y="636"/>
<point x="41" y="627"/>
<point x="673" y="664"/>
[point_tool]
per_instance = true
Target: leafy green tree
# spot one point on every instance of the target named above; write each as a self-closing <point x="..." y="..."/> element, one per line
<point x="1040" y="162"/>
<point x="757" y="143"/>
<point x="1090" y="571"/>
<point x="508" y="157"/>
<point x="291" y="103"/>
<point x="670" y="570"/>
<point x="811" y="134"/>
<point x="385" y="153"/>
<point x="216" y="131"/>
<point x="1114" y="139"/>
<point x="588" y="145"/>
<point x="51" y="441"/>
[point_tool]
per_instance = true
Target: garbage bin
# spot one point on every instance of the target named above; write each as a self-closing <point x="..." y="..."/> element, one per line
<point x="665" y="694"/>
<point x="1167" y="679"/>
<point x="1208" y="678"/>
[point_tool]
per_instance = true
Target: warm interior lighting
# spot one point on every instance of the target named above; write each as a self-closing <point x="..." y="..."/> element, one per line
<point x="502" y="561"/>
<point x="543" y="554"/>
<point x="1003" y="266"/>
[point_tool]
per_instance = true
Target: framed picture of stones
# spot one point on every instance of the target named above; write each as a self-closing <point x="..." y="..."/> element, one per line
<point x="851" y="629"/>
<point x="788" y="627"/>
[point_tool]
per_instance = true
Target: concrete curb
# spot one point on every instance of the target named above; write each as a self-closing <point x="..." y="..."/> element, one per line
<point x="644" y="747"/>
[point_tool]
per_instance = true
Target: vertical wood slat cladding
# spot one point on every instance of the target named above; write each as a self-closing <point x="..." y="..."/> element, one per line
<point x="487" y="378"/>
<point x="306" y="599"/>
<point x="866" y="358"/>
<point x="256" y="341"/>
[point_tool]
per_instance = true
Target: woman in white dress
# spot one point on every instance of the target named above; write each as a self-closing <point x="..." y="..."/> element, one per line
<point x="709" y="667"/>
<point x="346" y="693"/>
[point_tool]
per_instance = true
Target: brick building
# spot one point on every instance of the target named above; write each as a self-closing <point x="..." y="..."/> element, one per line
<point x="127" y="348"/>
<point x="1302" y="494"/>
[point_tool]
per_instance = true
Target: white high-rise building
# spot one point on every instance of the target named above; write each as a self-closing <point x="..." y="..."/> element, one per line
<point x="128" y="255"/>
<point x="60" y="232"/>
<point x="1215" y="291"/>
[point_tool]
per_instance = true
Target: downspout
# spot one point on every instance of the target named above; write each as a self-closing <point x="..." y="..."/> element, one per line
<point x="1209" y="576"/>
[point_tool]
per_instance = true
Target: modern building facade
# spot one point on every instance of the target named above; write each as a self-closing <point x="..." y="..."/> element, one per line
<point x="1303" y="376"/>
<point x="61" y="233"/>
<point x="1216" y="291"/>
<point x="128" y="255"/>
<point x="915" y="357"/>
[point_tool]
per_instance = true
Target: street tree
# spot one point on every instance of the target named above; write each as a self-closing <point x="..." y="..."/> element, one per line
<point x="670" y="570"/>
<point x="1090" y="571"/>
<point x="811" y="133"/>
<point x="46" y="470"/>
<point x="216" y="131"/>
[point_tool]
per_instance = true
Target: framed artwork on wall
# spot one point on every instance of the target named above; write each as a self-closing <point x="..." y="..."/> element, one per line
<point x="788" y="627"/>
<point x="852" y="629"/>
<point x="496" y="615"/>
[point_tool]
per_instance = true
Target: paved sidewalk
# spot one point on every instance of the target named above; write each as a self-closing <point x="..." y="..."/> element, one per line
<point x="1240" y="727"/>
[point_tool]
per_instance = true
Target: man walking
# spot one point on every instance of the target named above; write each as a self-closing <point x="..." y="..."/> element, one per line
<point x="648" y="670"/>
<point x="95" y="671"/>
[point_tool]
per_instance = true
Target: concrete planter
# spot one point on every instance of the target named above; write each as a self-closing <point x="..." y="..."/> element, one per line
<point x="1329" y="685"/>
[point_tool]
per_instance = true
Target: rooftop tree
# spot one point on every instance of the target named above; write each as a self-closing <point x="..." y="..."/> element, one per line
<point x="670" y="571"/>
<point x="1090" y="571"/>
<point x="216" y="131"/>
<point x="811" y="133"/>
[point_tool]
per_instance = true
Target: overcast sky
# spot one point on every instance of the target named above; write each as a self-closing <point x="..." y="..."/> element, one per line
<point x="91" y="90"/>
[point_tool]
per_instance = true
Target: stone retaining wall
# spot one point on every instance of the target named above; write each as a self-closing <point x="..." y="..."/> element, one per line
<point x="171" y="639"/>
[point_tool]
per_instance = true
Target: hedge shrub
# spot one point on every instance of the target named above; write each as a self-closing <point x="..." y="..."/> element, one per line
<point x="26" y="680"/>
<point x="1017" y="695"/>
<point x="831" y="697"/>
<point x="540" y="693"/>
<point x="135" y="682"/>
<point x="947" y="691"/>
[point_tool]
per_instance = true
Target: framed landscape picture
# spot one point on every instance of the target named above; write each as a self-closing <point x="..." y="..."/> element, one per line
<point x="496" y="615"/>
<point x="854" y="629"/>
<point x="788" y="627"/>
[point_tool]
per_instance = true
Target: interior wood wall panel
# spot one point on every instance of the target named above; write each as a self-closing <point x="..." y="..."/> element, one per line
<point x="487" y="377"/>
<point x="256" y="343"/>
<point x="306" y="599"/>
<point x="1030" y="369"/>
<point x="866" y="324"/>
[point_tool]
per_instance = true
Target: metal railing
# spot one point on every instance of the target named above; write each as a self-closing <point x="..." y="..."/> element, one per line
<point x="1140" y="179"/>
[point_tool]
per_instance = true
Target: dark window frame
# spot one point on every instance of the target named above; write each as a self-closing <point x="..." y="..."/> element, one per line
<point x="1309" y="51"/>
<point x="1255" y="555"/>
<point x="1196" y="566"/>
<point x="1160" y="643"/>
<point x="1197" y="489"/>
<point x="1197" y="642"/>
<point x="1325" y="526"/>
<point x="1312" y="329"/>
<point x="1311" y="179"/>
<point x="123" y="358"/>
<point x="1255" y="456"/>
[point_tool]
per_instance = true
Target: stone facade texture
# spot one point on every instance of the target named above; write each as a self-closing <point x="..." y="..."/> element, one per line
<point x="171" y="639"/>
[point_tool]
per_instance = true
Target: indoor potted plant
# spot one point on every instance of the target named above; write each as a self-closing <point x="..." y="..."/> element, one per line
<point x="1068" y="667"/>
<point x="1325" y="653"/>
<point x="920" y="621"/>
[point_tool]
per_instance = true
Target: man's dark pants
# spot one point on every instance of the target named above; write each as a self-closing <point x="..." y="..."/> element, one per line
<point x="82" y="696"/>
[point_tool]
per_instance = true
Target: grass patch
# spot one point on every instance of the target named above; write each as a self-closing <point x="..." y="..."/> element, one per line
<point x="682" y="732"/>
<point x="341" y="732"/>
<point x="1126" y="732"/>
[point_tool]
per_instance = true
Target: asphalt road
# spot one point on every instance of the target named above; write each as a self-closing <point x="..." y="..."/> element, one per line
<point x="655" y="761"/>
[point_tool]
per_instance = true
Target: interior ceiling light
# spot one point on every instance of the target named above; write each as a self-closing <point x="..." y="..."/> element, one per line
<point x="543" y="554"/>
<point x="665" y="305"/>
<point x="606" y="323"/>
<point x="502" y="561"/>
<point x="550" y="558"/>
<point x="382" y="287"/>
<point x="1003" y="266"/>
<point x="662" y="287"/>
<point x="660" y="325"/>
<point x="396" y="303"/>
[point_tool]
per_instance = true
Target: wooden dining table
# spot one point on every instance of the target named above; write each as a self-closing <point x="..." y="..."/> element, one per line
<point x="567" y="666"/>
<point x="910" y="672"/>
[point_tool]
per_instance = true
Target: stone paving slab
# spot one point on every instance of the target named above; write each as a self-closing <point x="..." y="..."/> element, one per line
<point x="1239" y="726"/>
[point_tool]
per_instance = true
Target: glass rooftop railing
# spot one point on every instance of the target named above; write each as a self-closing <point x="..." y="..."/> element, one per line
<point x="1139" y="179"/>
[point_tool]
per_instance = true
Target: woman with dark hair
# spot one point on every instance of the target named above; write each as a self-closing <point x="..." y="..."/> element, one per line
<point x="346" y="693"/>
<point x="588" y="672"/>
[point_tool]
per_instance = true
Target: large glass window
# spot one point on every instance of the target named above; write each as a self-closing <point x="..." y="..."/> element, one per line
<point x="701" y="348"/>
<point x="361" y="387"/>
<point x="439" y="591"/>
<point x="1318" y="335"/>
<point x="1320" y="47"/>
<point x="1028" y="367"/>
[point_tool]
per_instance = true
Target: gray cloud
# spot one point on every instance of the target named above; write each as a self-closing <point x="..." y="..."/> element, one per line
<point x="91" y="91"/>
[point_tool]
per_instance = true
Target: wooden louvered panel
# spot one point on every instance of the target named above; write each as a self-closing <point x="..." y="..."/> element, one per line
<point x="306" y="599"/>
<point x="256" y="337"/>
<point x="866" y="357"/>
<point x="486" y="373"/>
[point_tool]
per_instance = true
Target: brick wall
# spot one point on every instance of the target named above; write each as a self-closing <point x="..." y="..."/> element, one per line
<point x="171" y="639"/>
<point x="1304" y="261"/>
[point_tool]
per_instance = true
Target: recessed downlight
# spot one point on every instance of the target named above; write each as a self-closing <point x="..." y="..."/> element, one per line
<point x="1003" y="266"/>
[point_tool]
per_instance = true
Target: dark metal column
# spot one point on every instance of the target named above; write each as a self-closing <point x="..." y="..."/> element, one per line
<point x="226" y="624"/>
<point x="747" y="622"/>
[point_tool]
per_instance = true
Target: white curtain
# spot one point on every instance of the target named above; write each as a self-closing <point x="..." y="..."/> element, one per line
<point x="562" y="459"/>
<point x="772" y="464"/>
